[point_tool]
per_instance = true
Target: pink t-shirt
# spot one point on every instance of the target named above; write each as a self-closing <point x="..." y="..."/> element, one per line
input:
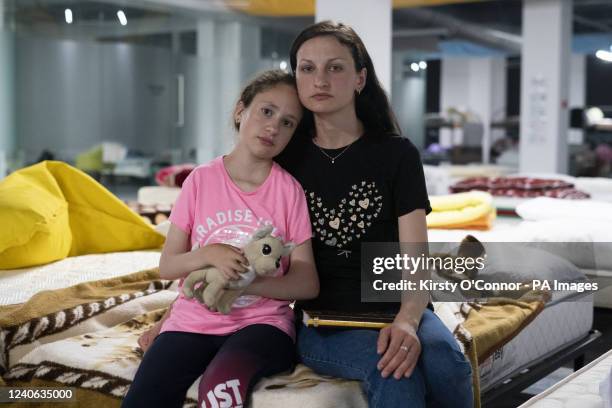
<point x="212" y="209"/>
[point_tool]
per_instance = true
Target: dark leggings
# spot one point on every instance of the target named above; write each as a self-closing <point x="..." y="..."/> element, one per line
<point x="232" y="365"/>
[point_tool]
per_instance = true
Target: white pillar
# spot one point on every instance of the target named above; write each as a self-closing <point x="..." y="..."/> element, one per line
<point x="408" y="100"/>
<point x="371" y="19"/>
<point x="206" y="117"/>
<point x="477" y="85"/>
<point x="577" y="93"/>
<point x="226" y="52"/>
<point x="545" y="85"/>
<point x="7" y="95"/>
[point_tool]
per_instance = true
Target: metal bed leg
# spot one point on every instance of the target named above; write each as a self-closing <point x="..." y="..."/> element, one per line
<point x="579" y="362"/>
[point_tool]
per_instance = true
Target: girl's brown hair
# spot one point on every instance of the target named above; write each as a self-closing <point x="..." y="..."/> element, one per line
<point x="261" y="83"/>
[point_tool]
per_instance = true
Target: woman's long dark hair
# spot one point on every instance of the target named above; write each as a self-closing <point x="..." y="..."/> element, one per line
<point x="371" y="105"/>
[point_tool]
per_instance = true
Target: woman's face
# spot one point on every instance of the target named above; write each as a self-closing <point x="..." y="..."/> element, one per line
<point x="267" y="124"/>
<point x="326" y="75"/>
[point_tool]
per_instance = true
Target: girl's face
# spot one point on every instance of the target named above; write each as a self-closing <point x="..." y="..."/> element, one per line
<point x="267" y="124"/>
<point x="326" y="75"/>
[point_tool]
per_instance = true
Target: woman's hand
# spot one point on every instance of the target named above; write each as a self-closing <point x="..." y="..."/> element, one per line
<point x="401" y="347"/>
<point x="229" y="260"/>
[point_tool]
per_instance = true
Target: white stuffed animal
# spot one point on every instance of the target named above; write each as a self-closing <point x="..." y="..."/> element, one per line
<point x="264" y="253"/>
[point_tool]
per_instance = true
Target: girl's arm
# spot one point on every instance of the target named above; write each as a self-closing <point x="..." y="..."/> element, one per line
<point x="300" y="282"/>
<point x="177" y="260"/>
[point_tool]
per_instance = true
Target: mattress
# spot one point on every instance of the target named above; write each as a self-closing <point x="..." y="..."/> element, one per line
<point x="565" y="320"/>
<point x="580" y="389"/>
<point x="585" y="243"/>
<point x="603" y="297"/>
<point x="71" y="271"/>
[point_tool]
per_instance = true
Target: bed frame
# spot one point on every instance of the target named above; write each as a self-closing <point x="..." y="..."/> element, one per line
<point x="523" y="377"/>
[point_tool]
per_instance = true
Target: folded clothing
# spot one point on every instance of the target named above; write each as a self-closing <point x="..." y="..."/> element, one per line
<point x="153" y="214"/>
<point x="520" y="187"/>
<point x="174" y="176"/>
<point x="471" y="210"/>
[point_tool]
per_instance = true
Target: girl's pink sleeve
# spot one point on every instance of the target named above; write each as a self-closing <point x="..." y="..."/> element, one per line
<point x="183" y="212"/>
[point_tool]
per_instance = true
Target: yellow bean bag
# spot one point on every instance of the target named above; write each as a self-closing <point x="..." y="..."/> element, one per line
<point x="51" y="210"/>
<point x="471" y="210"/>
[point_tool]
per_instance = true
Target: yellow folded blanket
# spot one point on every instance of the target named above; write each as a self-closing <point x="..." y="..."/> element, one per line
<point x="471" y="210"/>
<point x="51" y="210"/>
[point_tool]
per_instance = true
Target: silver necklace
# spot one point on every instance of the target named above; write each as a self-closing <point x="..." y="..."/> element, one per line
<point x="333" y="158"/>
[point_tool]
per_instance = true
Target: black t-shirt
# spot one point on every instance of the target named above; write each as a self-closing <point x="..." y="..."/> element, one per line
<point x="356" y="199"/>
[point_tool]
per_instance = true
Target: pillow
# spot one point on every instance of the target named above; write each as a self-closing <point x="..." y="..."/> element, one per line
<point x="97" y="220"/>
<point x="512" y="262"/>
<point x="546" y="208"/>
<point x="34" y="218"/>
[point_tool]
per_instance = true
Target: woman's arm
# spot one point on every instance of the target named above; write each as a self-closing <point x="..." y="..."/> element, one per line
<point x="399" y="341"/>
<point x="413" y="231"/>
<point x="177" y="261"/>
<point x="300" y="282"/>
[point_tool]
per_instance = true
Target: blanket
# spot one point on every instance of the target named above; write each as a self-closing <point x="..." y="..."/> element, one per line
<point x="469" y="210"/>
<point x="85" y="337"/>
<point x="520" y="187"/>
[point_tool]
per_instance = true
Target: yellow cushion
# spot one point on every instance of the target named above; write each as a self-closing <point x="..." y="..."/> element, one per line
<point x="34" y="220"/>
<point x="473" y="209"/>
<point x="98" y="221"/>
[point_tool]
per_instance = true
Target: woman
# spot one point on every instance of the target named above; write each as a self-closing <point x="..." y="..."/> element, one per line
<point x="363" y="183"/>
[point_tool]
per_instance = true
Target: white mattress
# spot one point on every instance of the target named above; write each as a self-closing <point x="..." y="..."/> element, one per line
<point x="595" y="238"/>
<point x="18" y="285"/>
<point x="559" y="325"/>
<point x="603" y="297"/>
<point x="580" y="389"/>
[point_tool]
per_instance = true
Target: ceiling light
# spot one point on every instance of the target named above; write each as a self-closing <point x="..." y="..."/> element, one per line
<point x="604" y="55"/>
<point x="122" y="18"/>
<point x="422" y="65"/>
<point x="68" y="16"/>
<point x="283" y="65"/>
<point x="414" y="66"/>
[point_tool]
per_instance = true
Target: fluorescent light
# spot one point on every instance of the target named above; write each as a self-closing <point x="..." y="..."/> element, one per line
<point x="68" y="16"/>
<point x="122" y="18"/>
<point x="414" y="66"/>
<point x="283" y="65"/>
<point x="422" y="65"/>
<point x="604" y="55"/>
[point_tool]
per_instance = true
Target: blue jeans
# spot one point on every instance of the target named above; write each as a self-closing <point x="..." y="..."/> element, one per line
<point x="441" y="378"/>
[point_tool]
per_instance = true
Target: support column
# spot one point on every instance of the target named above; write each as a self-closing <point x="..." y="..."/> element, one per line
<point x="544" y="85"/>
<point x="227" y="54"/>
<point x="371" y="19"/>
<point x="479" y="86"/>
<point x="409" y="100"/>
<point x="577" y="93"/>
<point x="206" y="118"/>
<point x="7" y="95"/>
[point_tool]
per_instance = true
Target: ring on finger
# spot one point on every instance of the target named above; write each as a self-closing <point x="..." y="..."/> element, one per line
<point x="405" y="348"/>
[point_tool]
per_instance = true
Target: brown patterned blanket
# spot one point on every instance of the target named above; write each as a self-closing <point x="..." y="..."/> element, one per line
<point x="85" y="337"/>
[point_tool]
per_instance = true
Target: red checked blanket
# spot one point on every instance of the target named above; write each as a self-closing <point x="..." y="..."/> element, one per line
<point x="522" y="187"/>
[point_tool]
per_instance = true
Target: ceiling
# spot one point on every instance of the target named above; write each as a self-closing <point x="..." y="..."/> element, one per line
<point x="495" y="25"/>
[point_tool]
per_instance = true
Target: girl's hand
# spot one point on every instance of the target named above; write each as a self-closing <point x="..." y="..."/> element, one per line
<point x="401" y="348"/>
<point x="229" y="260"/>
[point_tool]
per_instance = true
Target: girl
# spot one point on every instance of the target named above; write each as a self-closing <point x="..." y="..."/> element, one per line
<point x="220" y="205"/>
<point x="363" y="183"/>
